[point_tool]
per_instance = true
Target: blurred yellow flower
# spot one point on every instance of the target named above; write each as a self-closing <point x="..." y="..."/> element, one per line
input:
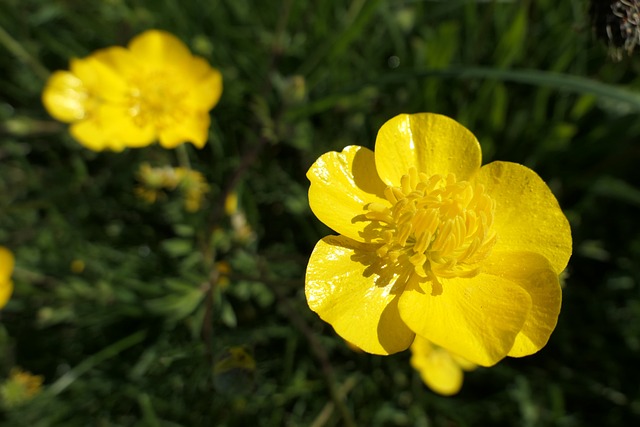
<point x="192" y="184"/>
<point x="441" y="370"/>
<point x="432" y="244"/>
<point x="20" y="387"/>
<point x="7" y="263"/>
<point x="194" y="187"/>
<point x="154" y="89"/>
<point x="223" y="269"/>
<point x="231" y="203"/>
<point x="77" y="266"/>
<point x="234" y="371"/>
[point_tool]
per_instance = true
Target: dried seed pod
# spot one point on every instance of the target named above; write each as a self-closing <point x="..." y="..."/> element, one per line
<point x="618" y="23"/>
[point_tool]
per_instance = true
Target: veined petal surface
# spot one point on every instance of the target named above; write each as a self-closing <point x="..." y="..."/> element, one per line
<point x="358" y="297"/>
<point x="477" y="318"/>
<point x="341" y="185"/>
<point x="527" y="215"/>
<point x="431" y="143"/>
<point x="534" y="274"/>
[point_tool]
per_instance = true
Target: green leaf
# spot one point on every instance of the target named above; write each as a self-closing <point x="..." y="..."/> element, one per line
<point x="177" y="247"/>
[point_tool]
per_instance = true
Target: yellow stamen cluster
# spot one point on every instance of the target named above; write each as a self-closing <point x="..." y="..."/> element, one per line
<point x="441" y="226"/>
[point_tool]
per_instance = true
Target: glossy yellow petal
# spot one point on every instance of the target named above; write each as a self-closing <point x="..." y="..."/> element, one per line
<point x="535" y="275"/>
<point x="357" y="296"/>
<point x="527" y="215"/>
<point x="477" y="318"/>
<point x="341" y="185"/>
<point x="193" y="128"/>
<point x="431" y="143"/>
<point x="64" y="97"/>
<point x="159" y="49"/>
<point x="437" y="368"/>
<point x="206" y="85"/>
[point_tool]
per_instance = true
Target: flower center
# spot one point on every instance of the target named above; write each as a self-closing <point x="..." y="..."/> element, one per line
<point x="440" y="225"/>
<point x="156" y="100"/>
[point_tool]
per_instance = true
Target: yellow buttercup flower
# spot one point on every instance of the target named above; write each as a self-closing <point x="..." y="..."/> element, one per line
<point x="441" y="370"/>
<point x="154" y="89"/>
<point x="432" y="244"/>
<point x="194" y="187"/>
<point x="7" y="262"/>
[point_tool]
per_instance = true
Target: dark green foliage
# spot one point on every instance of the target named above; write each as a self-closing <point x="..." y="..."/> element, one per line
<point x="137" y="339"/>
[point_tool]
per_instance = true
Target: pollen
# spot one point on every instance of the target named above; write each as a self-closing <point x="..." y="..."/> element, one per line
<point x="437" y="224"/>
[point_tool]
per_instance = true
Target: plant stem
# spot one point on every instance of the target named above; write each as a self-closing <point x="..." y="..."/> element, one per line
<point x="22" y="54"/>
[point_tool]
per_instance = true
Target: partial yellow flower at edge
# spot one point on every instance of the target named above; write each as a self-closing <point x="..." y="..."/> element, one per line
<point x="130" y="97"/>
<point x="439" y="369"/>
<point x="432" y="244"/>
<point x="7" y="263"/>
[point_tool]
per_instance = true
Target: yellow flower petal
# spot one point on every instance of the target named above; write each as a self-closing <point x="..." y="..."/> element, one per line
<point x="193" y="128"/>
<point x="477" y="318"/>
<point x="159" y="48"/>
<point x="431" y="143"/>
<point x="90" y="134"/>
<point x="64" y="97"/>
<point x="120" y="62"/>
<point x="102" y="80"/>
<point x="535" y="274"/>
<point x="347" y="289"/>
<point x="206" y="85"/>
<point x="437" y="368"/>
<point x="119" y="123"/>
<point x="527" y="215"/>
<point x="341" y="185"/>
<point x="465" y="364"/>
<point x="6" y="289"/>
<point x="111" y="127"/>
<point x="7" y="263"/>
